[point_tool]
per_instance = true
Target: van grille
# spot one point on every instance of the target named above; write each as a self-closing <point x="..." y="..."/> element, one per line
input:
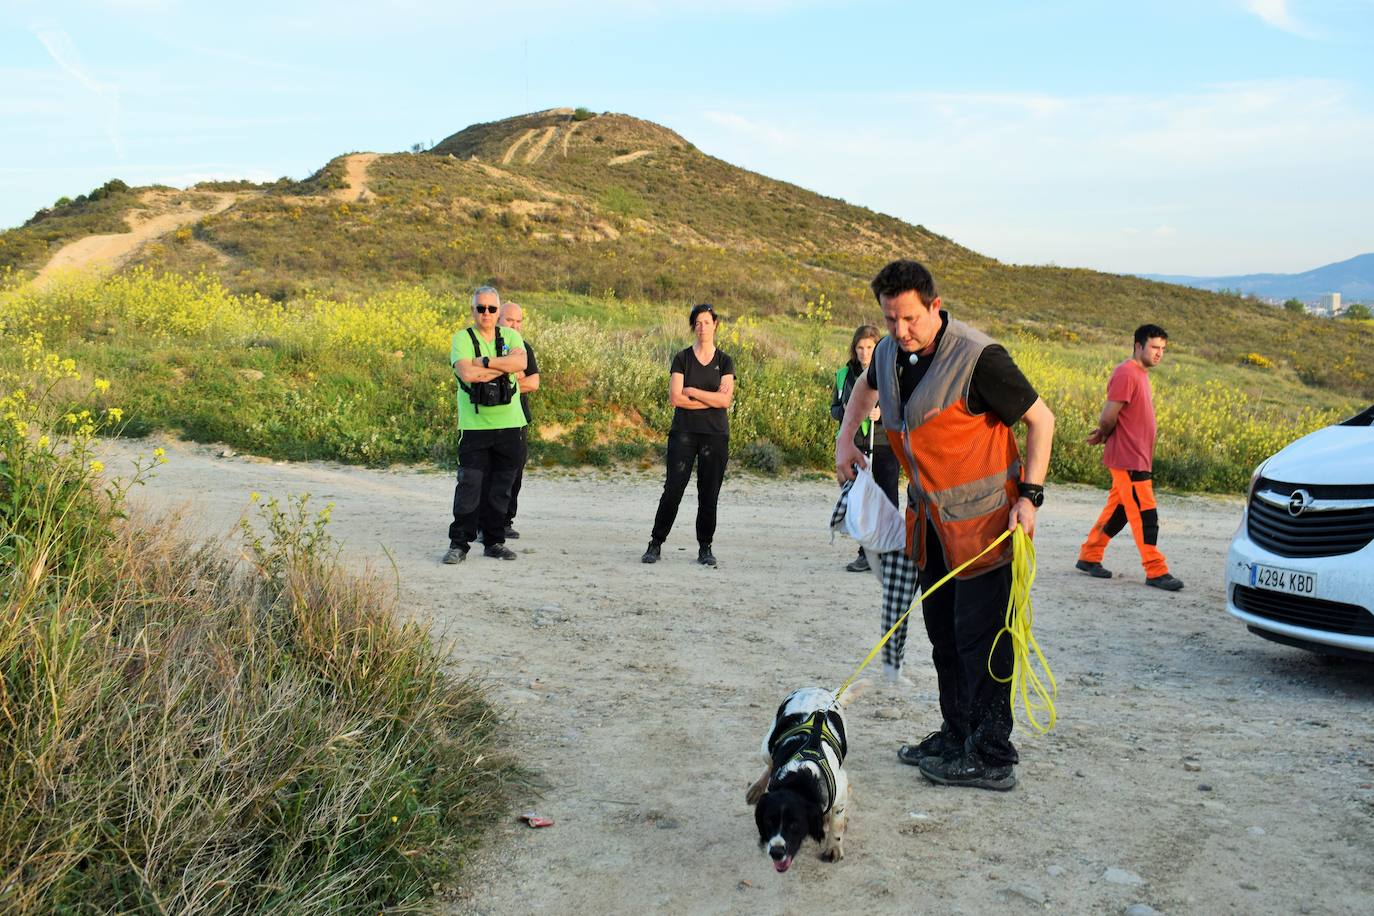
<point x="1298" y="611"/>
<point x="1312" y="534"/>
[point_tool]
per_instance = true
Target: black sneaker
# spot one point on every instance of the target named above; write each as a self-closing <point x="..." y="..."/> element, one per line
<point x="935" y="744"/>
<point x="968" y="769"/>
<point x="653" y="553"/>
<point x="512" y="534"/>
<point x="1096" y="570"/>
<point x="498" y="552"/>
<point x="455" y="554"/>
<point x="704" y="555"/>
<point x="1166" y="582"/>
<point x="858" y="564"/>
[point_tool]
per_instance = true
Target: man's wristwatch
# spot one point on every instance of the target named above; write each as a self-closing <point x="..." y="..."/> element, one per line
<point x="486" y="362"/>
<point x="1033" y="492"/>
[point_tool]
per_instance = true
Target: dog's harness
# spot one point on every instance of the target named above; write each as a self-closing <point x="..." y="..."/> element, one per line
<point x="805" y="743"/>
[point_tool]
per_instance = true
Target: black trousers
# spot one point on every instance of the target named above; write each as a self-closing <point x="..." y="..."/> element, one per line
<point x="512" y="505"/>
<point x="485" y="454"/>
<point x="962" y="619"/>
<point x="710" y="452"/>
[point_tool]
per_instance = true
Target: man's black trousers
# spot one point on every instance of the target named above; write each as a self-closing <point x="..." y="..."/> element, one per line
<point x="710" y="452"/>
<point x="513" y="504"/>
<point x="963" y="617"/>
<point x="494" y="454"/>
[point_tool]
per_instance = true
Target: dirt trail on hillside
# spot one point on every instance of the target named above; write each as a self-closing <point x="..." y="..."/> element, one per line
<point x="515" y="146"/>
<point x="537" y="149"/>
<point x="106" y="253"/>
<point x="1196" y="768"/>
<point x="355" y="173"/>
<point x="629" y="157"/>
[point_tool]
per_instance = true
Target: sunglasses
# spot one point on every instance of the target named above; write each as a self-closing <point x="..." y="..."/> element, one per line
<point x="491" y="309"/>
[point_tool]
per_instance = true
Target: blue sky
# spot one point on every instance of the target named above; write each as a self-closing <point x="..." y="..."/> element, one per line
<point x="1206" y="137"/>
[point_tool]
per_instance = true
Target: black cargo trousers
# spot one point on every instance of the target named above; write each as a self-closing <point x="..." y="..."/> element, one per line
<point x="494" y="455"/>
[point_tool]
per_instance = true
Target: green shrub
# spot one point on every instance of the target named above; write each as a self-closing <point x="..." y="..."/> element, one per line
<point x="762" y="456"/>
<point x="583" y="114"/>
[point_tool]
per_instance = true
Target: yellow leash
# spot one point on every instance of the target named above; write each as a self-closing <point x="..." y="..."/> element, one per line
<point x="1017" y="624"/>
<point x="1036" y="697"/>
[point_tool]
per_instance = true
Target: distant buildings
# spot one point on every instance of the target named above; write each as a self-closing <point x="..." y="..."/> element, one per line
<point x="1327" y="305"/>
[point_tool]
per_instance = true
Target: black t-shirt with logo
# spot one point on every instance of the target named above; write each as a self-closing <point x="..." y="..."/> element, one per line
<point x="998" y="385"/>
<point x="712" y="420"/>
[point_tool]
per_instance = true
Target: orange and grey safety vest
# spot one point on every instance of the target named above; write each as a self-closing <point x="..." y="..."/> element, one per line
<point x="962" y="467"/>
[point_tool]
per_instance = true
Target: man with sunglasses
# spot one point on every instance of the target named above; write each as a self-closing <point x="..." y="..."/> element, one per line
<point x="490" y="436"/>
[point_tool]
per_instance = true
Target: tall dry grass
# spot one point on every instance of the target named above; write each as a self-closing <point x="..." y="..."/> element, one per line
<point x="186" y="731"/>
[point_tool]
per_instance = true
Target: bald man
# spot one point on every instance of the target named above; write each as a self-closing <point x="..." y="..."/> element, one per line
<point x="513" y="316"/>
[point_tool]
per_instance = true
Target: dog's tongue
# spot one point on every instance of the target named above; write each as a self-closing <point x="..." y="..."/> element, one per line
<point x="781" y="865"/>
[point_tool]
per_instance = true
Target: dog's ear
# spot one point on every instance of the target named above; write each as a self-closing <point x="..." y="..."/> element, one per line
<point x="815" y="822"/>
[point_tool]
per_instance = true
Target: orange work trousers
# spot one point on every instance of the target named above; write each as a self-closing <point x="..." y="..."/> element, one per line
<point x="1131" y="500"/>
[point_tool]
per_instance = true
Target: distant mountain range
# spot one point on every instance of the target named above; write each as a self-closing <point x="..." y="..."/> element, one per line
<point x="1353" y="279"/>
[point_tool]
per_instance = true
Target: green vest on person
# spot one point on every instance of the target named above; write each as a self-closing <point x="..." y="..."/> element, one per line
<point x="841" y="377"/>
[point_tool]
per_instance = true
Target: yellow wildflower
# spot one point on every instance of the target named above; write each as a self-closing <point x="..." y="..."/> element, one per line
<point x="102" y="385"/>
<point x="115" y="414"/>
<point x="97" y="466"/>
<point x="43" y="441"/>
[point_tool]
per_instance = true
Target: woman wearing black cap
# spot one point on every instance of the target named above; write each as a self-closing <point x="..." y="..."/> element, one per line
<point x="701" y="388"/>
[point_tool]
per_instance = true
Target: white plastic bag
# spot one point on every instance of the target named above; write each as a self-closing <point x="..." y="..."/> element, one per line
<point x="870" y="517"/>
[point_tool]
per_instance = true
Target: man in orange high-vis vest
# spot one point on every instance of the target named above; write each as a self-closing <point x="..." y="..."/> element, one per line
<point x="1127" y="426"/>
<point x="949" y="396"/>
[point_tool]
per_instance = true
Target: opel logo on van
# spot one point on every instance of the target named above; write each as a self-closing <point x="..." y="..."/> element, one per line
<point x="1299" y="502"/>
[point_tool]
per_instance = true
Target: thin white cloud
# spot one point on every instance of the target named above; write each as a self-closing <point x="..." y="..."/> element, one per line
<point x="62" y="50"/>
<point x="1277" y="14"/>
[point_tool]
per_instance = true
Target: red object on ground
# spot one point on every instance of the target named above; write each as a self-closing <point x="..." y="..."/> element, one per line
<point x="534" y="820"/>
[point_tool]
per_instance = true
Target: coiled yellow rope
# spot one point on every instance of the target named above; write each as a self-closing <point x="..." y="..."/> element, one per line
<point x="1037" y="699"/>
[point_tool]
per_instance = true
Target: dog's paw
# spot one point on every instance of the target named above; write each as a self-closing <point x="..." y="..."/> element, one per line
<point x="833" y="854"/>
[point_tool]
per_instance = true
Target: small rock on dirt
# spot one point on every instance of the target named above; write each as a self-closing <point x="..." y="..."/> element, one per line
<point x="887" y="712"/>
<point x="1140" y="909"/>
<point x="1054" y="871"/>
<point x="1123" y="877"/>
<point x="1026" y="892"/>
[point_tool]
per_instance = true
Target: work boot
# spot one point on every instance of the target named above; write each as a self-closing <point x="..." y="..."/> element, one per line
<point x="512" y="534"/>
<point x="935" y="744"/>
<point x="1096" y="570"/>
<point x="704" y="555"/>
<point x="457" y="553"/>
<point x="858" y="564"/>
<point x="1166" y="582"/>
<point x="498" y="552"/>
<point x="653" y="552"/>
<point x="968" y="769"/>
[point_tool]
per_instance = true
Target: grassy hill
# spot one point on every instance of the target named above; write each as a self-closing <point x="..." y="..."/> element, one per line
<point x="618" y="208"/>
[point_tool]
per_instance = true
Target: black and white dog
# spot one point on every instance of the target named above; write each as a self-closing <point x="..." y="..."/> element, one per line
<point x="804" y="791"/>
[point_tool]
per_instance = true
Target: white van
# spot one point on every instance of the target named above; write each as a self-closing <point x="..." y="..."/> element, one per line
<point x="1301" y="566"/>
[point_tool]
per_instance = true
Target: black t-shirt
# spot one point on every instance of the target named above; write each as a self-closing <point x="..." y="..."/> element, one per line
<point x="531" y="368"/>
<point x="714" y="420"/>
<point x="998" y="385"/>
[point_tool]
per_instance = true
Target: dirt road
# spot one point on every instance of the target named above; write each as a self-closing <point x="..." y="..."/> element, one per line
<point x="1196" y="768"/>
<point x="106" y="253"/>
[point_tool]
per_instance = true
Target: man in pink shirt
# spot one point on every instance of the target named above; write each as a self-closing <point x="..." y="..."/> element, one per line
<point x="1127" y="426"/>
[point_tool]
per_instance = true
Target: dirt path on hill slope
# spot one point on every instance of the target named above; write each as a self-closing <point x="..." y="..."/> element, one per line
<point x="355" y="173"/>
<point x="106" y="253"/>
<point x="1196" y="768"/>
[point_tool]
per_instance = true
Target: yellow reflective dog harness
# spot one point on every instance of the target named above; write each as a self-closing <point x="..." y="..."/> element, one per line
<point x="805" y="743"/>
